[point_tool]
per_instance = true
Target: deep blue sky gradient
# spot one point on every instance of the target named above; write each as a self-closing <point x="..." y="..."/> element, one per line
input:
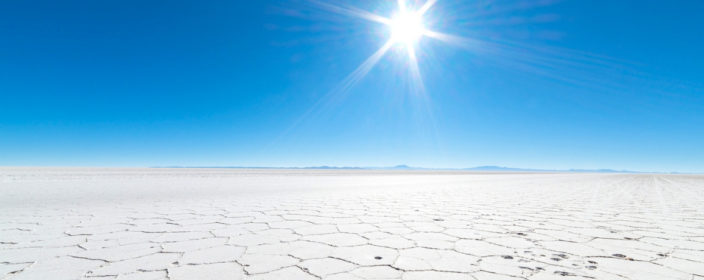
<point x="585" y="84"/>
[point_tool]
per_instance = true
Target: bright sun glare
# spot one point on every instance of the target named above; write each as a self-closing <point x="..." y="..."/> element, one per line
<point x="407" y="27"/>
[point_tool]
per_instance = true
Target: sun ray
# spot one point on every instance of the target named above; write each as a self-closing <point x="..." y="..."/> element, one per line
<point x="365" y="67"/>
<point x="339" y="91"/>
<point x="467" y="43"/>
<point x="416" y="78"/>
<point x="428" y="4"/>
<point x="558" y="64"/>
<point x="352" y="11"/>
<point x="418" y="90"/>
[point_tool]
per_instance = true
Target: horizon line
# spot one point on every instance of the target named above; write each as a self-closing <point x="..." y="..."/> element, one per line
<point x="400" y="167"/>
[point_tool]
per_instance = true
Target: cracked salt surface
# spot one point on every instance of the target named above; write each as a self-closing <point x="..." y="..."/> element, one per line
<point x="71" y="223"/>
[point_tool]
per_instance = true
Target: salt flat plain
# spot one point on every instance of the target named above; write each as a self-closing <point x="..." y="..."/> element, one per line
<point x="71" y="223"/>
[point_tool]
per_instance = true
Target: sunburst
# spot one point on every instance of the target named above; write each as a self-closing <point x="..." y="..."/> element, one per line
<point x="406" y="27"/>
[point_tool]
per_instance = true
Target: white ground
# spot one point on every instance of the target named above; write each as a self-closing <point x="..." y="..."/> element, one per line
<point x="298" y="224"/>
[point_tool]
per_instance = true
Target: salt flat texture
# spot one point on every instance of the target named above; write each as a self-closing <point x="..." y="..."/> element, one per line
<point x="308" y="224"/>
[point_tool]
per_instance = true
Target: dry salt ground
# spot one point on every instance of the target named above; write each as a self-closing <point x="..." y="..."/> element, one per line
<point x="315" y="224"/>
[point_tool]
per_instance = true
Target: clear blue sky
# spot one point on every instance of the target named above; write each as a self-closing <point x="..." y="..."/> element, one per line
<point x="542" y="84"/>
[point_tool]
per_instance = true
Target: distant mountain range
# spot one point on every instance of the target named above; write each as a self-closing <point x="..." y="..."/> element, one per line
<point x="486" y="168"/>
<point x="500" y="168"/>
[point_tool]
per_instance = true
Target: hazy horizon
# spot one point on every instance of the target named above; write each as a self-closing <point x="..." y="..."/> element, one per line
<point x="399" y="167"/>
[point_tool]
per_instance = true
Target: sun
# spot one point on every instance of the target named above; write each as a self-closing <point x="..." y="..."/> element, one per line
<point x="407" y="27"/>
<point x="403" y="30"/>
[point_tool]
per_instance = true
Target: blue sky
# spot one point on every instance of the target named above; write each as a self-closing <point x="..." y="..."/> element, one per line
<point x="541" y="84"/>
